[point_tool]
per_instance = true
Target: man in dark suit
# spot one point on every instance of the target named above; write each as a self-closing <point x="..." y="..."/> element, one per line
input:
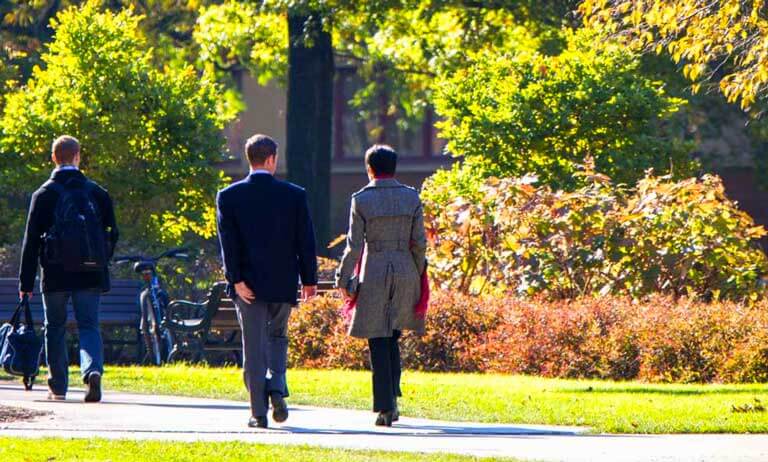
<point x="58" y="284"/>
<point x="267" y="244"/>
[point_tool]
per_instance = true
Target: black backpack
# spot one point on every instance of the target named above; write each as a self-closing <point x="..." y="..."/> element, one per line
<point x="20" y="346"/>
<point x="77" y="240"/>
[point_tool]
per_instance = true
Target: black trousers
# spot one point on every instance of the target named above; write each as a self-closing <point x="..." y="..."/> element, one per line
<point x="385" y="364"/>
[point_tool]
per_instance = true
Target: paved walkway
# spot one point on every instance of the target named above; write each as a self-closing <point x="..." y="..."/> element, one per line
<point x="123" y="415"/>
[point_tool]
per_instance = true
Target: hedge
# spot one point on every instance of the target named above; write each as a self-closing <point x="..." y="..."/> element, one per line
<point x="657" y="339"/>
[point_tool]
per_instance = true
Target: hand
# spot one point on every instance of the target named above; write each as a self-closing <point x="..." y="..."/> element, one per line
<point x="23" y="294"/>
<point x="308" y="292"/>
<point x="245" y="292"/>
<point x="345" y="295"/>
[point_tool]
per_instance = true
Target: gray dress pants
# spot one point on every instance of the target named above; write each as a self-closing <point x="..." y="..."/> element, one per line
<point x="265" y="349"/>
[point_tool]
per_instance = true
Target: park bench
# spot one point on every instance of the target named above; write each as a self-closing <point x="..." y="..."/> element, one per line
<point x="210" y="326"/>
<point x="118" y="314"/>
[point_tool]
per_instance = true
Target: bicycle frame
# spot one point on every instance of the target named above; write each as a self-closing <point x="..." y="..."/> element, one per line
<point x="153" y="315"/>
<point x="154" y="290"/>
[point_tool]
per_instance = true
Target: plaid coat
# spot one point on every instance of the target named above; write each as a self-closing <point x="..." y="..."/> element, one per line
<point x="386" y="220"/>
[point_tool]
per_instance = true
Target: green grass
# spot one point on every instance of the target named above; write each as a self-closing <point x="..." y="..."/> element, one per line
<point x="63" y="450"/>
<point x="610" y="407"/>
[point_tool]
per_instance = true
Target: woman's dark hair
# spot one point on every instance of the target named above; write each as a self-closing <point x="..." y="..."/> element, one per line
<point x="382" y="159"/>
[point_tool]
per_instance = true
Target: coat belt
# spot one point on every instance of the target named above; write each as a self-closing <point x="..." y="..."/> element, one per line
<point x="384" y="246"/>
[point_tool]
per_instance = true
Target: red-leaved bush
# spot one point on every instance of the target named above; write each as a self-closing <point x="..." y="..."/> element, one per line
<point x="657" y="339"/>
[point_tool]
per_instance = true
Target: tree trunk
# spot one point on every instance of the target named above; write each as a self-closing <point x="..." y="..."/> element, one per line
<point x="310" y="116"/>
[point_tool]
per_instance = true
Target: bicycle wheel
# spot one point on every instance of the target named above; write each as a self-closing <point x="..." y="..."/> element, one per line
<point x="167" y="344"/>
<point x="150" y="332"/>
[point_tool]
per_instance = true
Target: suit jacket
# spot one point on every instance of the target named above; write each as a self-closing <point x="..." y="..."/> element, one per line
<point x="387" y="221"/>
<point x="41" y="215"/>
<point x="267" y="238"/>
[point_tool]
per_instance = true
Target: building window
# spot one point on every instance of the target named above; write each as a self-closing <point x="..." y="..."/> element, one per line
<point x="353" y="134"/>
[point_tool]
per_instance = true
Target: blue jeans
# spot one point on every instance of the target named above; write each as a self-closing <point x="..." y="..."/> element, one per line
<point x="86" y="307"/>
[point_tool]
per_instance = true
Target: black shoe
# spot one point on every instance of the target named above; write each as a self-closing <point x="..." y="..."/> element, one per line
<point x="396" y="413"/>
<point x="93" y="382"/>
<point x="279" y="408"/>
<point x="258" y="422"/>
<point x="384" y="419"/>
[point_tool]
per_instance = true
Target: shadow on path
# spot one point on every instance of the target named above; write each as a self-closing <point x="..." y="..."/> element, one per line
<point x="396" y="432"/>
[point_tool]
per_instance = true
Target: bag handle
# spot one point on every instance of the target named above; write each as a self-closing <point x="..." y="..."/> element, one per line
<point x="23" y="304"/>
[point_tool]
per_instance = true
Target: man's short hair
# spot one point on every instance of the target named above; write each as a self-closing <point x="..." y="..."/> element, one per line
<point x="65" y="149"/>
<point x="259" y="148"/>
<point x="382" y="159"/>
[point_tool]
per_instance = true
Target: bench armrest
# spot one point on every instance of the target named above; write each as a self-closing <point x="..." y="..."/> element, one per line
<point x="182" y="309"/>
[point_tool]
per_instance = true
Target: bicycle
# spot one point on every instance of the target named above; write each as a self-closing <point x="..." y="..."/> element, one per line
<point x="153" y="302"/>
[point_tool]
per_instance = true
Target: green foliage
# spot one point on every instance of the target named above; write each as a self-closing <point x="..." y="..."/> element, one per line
<point x="527" y="113"/>
<point x="398" y="48"/>
<point x="718" y="42"/>
<point x="681" y="238"/>
<point x="150" y="135"/>
<point x="234" y="33"/>
<point x="24" y="27"/>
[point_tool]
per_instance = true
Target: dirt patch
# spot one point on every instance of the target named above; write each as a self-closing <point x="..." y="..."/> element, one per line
<point x="16" y="414"/>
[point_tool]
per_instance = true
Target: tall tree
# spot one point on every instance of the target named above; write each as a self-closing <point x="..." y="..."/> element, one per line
<point x="25" y="27"/>
<point x="721" y="41"/>
<point x="150" y="134"/>
<point x="310" y="114"/>
<point x="397" y="46"/>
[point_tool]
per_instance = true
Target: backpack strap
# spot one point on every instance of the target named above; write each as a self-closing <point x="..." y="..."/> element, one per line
<point x="55" y="186"/>
<point x="62" y="192"/>
<point x="88" y="186"/>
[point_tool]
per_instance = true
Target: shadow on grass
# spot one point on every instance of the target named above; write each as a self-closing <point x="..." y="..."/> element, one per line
<point x="661" y="391"/>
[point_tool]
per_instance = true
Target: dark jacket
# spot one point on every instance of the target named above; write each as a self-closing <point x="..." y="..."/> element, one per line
<point x="267" y="238"/>
<point x="41" y="215"/>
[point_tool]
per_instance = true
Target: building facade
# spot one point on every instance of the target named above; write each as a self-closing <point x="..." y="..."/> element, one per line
<point x="420" y="150"/>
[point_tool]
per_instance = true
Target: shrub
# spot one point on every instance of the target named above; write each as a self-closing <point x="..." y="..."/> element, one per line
<point x="453" y="330"/>
<point x="319" y="336"/>
<point x="10" y="260"/>
<point x="688" y="238"/>
<point x="521" y="113"/>
<point x="149" y="134"/>
<point x="660" y="339"/>
<point x="665" y="236"/>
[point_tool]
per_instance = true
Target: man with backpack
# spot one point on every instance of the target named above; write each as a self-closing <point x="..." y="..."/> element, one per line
<point x="71" y="232"/>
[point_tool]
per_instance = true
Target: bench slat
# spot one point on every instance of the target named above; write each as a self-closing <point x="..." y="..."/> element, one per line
<point x="117" y="308"/>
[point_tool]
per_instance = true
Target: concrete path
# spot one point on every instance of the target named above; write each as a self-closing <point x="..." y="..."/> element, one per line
<point x="123" y="415"/>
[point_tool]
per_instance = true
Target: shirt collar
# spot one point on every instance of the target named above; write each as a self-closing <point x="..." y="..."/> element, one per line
<point x="260" y="171"/>
<point x="384" y="183"/>
<point x="63" y="168"/>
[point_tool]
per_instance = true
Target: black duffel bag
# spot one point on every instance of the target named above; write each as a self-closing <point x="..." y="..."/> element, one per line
<point x="20" y="346"/>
